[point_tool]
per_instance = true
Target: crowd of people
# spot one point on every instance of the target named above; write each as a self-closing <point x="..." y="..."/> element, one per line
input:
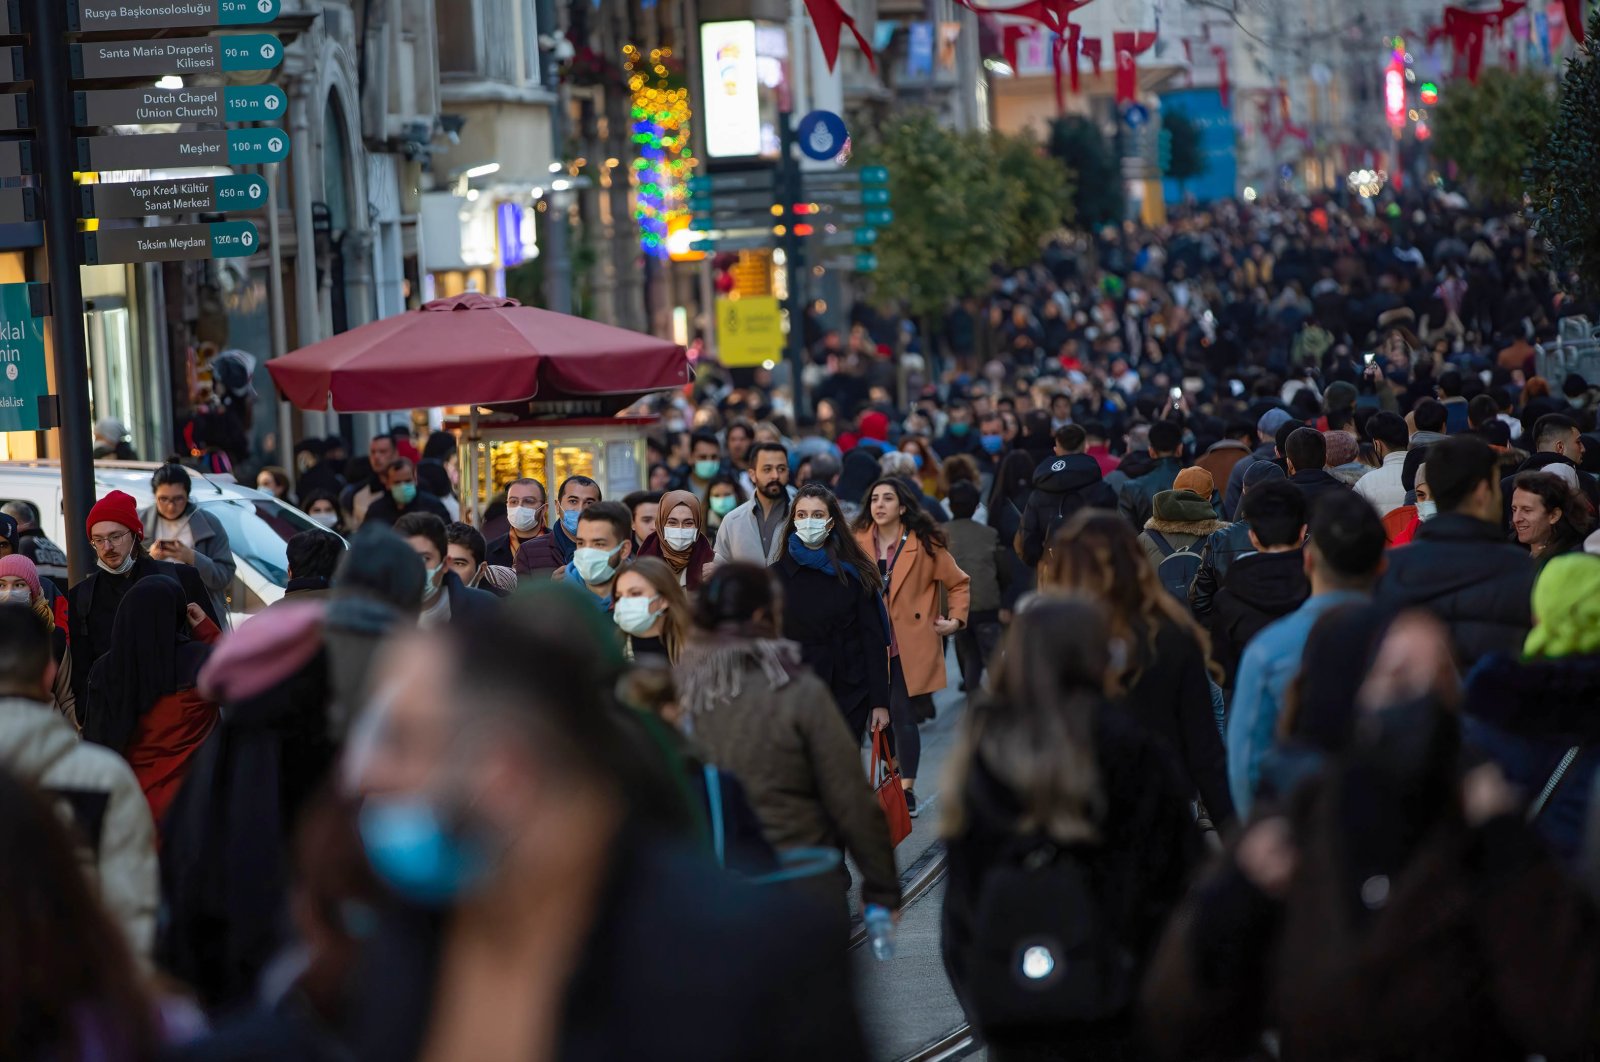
<point x="1258" y="545"/>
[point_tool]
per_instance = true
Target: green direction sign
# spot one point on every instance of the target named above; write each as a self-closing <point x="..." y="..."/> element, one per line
<point x="149" y="151"/>
<point x="84" y="15"/>
<point x="264" y="103"/>
<point x="183" y="56"/>
<point x="866" y="263"/>
<point x="867" y="216"/>
<point x="186" y="195"/>
<point x="170" y="243"/>
<point x="23" y="385"/>
<point x="745" y="181"/>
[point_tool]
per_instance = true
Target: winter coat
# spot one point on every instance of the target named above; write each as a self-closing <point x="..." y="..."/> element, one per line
<point x="1137" y="499"/>
<point x="225" y="857"/>
<point x="1461" y="570"/>
<point x="1526" y="715"/>
<point x="976" y="549"/>
<point x="1316" y="483"/>
<point x="168" y="736"/>
<point x="1182" y="518"/>
<point x="1061" y="487"/>
<point x="213" y="558"/>
<point x="919" y="575"/>
<point x="739" y="537"/>
<point x="543" y="555"/>
<point x="801" y="768"/>
<point x="1259" y="588"/>
<point x="1220" y="458"/>
<point x="839" y="627"/>
<point x="634" y="991"/>
<point x="92" y="606"/>
<point x="1481" y="947"/>
<point x="1171" y="696"/>
<point x="701" y="554"/>
<point x="1221" y="549"/>
<point x="500" y="552"/>
<point x="1146" y="849"/>
<point x="98" y="791"/>
<point x="385" y="510"/>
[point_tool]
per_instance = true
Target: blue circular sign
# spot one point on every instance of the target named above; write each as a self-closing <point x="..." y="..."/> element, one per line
<point x="1136" y="115"/>
<point x="822" y="135"/>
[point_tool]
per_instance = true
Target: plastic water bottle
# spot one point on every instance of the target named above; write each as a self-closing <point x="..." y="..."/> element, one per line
<point x="880" y="931"/>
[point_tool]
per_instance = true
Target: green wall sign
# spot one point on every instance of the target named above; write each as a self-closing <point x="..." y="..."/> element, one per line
<point x="22" y="374"/>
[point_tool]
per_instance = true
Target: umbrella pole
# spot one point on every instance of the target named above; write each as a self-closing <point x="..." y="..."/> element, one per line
<point x="472" y="464"/>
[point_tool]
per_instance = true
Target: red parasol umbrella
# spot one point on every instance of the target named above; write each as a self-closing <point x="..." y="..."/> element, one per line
<point x="478" y="350"/>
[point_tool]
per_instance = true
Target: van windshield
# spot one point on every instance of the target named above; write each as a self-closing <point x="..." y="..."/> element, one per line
<point x="259" y="530"/>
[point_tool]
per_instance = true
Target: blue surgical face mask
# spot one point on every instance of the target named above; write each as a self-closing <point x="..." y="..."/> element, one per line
<point x="918" y="459"/>
<point x="569" y="520"/>
<point x="706" y="469"/>
<point x="404" y="493"/>
<point x="410" y="848"/>
<point x="958" y="430"/>
<point x="1427" y="510"/>
<point x="993" y="444"/>
<point x="594" y="565"/>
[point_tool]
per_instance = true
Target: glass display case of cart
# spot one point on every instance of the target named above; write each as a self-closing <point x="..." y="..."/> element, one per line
<point x="501" y="446"/>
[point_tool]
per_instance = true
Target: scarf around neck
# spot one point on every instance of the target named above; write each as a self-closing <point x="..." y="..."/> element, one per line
<point x="714" y="669"/>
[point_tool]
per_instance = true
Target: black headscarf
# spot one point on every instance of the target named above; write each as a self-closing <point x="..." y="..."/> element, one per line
<point x="858" y="472"/>
<point x="151" y="656"/>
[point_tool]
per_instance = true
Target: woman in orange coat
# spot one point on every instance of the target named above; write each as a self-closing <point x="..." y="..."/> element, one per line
<point x="142" y="697"/>
<point x="909" y="547"/>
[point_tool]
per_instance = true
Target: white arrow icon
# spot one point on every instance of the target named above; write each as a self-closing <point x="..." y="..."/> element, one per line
<point x="268" y="51"/>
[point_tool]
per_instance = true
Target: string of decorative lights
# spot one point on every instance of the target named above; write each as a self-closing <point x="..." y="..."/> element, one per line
<point x="660" y="114"/>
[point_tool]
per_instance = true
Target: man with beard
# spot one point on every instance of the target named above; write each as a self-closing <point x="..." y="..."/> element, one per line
<point x="753" y="533"/>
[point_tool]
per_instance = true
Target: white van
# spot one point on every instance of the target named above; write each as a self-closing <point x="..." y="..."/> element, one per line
<point x="259" y="526"/>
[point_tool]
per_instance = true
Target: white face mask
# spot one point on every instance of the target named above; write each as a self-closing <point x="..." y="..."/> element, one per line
<point x="633" y="614"/>
<point x="1427" y="510"/>
<point x="524" y="517"/>
<point x="594" y="566"/>
<point x="813" y="530"/>
<point x="121" y="569"/>
<point x="20" y="596"/>
<point x="679" y="537"/>
<point x="328" y="520"/>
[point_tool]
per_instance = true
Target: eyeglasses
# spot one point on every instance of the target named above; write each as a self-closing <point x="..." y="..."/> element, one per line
<point x="102" y="541"/>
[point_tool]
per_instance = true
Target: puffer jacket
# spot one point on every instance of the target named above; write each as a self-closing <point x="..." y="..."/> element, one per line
<point x="1216" y="557"/>
<point x="98" y="788"/>
<point x="1460" y="569"/>
<point x="1526" y="715"/>
<point x="1061" y="487"/>
<point x="1259" y="588"/>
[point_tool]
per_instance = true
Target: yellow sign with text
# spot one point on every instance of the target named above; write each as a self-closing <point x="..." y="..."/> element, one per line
<point x="749" y="331"/>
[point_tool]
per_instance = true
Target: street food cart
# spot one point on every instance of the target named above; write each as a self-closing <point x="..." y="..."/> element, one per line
<point x="538" y="393"/>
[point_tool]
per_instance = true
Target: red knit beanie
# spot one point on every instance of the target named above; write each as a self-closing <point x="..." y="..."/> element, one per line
<point x="116" y="508"/>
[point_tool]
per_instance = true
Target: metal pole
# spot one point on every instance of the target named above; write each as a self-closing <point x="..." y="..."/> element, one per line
<point x="53" y="117"/>
<point x="558" y="270"/>
<point x="789" y="180"/>
<point x="279" y="319"/>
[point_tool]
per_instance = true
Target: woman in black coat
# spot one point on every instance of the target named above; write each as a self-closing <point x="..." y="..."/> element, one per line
<point x="1160" y="654"/>
<point x="833" y="607"/>
<point x="1008" y="499"/>
<point x="1053" y="778"/>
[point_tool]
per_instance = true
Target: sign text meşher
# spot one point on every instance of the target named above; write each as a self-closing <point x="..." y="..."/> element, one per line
<point x="181" y="56"/>
<point x="170" y="243"/>
<point x="153" y="151"/>
<point x="178" y="195"/>
<point x="87" y="15"/>
<point x="266" y="103"/>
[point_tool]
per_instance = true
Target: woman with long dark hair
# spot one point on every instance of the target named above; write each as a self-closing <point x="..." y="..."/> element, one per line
<point x="833" y="607"/>
<point x="912" y="555"/>
<point x="1008" y="500"/>
<point x="69" y="986"/>
<point x="1161" y="676"/>
<point x="1048" y="776"/>
<point x="143" y="699"/>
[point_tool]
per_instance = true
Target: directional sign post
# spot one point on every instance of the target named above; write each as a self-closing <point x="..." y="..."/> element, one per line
<point x="232" y="147"/>
<point x="24" y="390"/>
<point x="97" y="15"/>
<point x="16" y="158"/>
<point x="185" y="195"/>
<point x="265" y="103"/>
<point x="182" y="56"/>
<point x="223" y="239"/>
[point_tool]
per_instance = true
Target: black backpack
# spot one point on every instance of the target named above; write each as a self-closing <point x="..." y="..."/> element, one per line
<point x="1045" y="951"/>
<point x="1178" y="567"/>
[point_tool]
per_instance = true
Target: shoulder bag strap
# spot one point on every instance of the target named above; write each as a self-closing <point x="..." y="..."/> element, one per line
<point x="1553" y="784"/>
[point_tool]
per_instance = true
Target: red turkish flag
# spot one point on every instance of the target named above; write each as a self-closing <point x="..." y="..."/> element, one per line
<point x="1128" y="47"/>
<point x="1574" y="9"/>
<point x="831" y="20"/>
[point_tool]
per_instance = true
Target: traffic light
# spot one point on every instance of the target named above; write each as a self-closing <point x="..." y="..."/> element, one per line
<point x="1164" y="150"/>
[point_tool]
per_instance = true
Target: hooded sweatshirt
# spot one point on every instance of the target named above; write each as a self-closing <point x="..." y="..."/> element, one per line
<point x="1258" y="588"/>
<point x="1061" y="487"/>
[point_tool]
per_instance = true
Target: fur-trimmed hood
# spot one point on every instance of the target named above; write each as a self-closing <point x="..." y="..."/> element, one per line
<point x="1197" y="528"/>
